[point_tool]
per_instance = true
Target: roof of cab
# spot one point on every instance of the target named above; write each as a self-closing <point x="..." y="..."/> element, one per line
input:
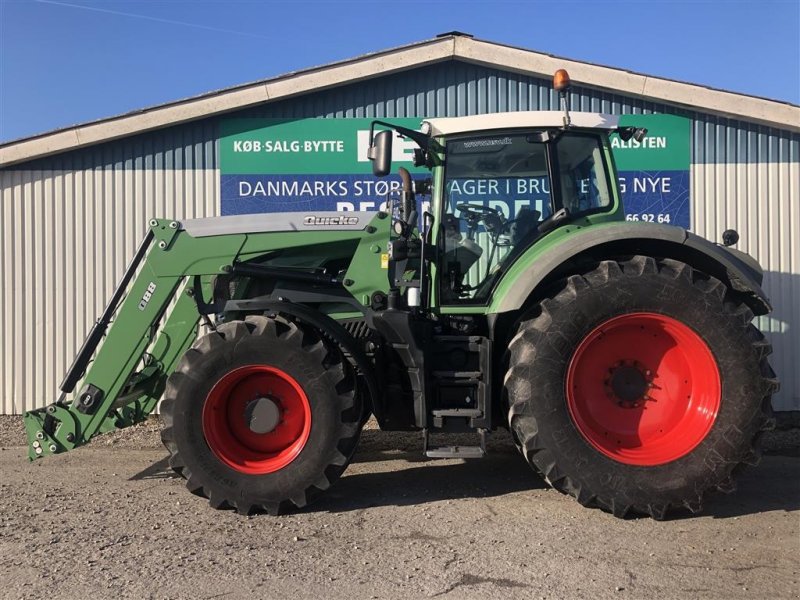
<point x="520" y="119"/>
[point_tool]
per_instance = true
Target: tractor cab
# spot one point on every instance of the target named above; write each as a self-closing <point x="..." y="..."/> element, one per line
<point x="505" y="183"/>
<point x="499" y="184"/>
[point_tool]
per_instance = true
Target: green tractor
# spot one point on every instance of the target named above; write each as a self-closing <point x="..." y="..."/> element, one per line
<point x="621" y="356"/>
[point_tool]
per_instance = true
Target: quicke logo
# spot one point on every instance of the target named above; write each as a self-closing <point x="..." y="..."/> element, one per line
<point x="311" y="220"/>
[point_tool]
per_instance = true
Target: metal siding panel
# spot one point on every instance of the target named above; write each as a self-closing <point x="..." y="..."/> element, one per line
<point x="502" y="92"/>
<point x="18" y="298"/>
<point x="14" y="344"/>
<point x="6" y="263"/>
<point x="791" y="397"/>
<point x="28" y="309"/>
<point x="47" y="280"/>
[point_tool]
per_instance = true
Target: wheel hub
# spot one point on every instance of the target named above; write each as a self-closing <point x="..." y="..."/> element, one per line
<point x="262" y="415"/>
<point x="629" y="383"/>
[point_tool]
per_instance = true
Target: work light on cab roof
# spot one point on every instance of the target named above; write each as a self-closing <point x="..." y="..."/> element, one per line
<point x="561" y="83"/>
<point x="561" y="80"/>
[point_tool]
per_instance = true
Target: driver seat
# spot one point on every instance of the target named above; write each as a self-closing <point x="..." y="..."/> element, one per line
<point x="527" y="220"/>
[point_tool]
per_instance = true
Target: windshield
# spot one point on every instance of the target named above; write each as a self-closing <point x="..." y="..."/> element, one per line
<point x="498" y="191"/>
<point x="506" y="172"/>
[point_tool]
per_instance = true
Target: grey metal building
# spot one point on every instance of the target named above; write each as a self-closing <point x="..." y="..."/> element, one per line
<point x="74" y="203"/>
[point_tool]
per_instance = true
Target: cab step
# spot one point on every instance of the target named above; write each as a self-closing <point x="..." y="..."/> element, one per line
<point x="455" y="451"/>
<point x="467" y="413"/>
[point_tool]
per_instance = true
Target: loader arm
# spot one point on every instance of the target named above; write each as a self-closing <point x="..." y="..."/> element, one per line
<point x="153" y="315"/>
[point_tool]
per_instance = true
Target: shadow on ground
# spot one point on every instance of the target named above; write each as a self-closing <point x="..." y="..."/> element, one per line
<point x="772" y="485"/>
<point x="411" y="479"/>
<point x="407" y="478"/>
<point x="158" y="470"/>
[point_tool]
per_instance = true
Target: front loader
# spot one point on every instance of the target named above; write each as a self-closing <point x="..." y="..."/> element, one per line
<point x="620" y="355"/>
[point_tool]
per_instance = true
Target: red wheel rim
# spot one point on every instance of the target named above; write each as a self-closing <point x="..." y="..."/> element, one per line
<point x="643" y="389"/>
<point x="229" y="434"/>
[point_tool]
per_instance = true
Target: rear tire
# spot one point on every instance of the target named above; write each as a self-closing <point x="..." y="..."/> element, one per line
<point x="281" y="373"/>
<point x="640" y="386"/>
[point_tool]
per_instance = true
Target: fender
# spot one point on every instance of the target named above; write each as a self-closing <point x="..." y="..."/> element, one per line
<point x="738" y="270"/>
<point x="328" y="327"/>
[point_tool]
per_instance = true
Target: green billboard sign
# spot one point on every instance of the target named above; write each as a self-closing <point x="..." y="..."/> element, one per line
<point x="666" y="147"/>
<point x="302" y="147"/>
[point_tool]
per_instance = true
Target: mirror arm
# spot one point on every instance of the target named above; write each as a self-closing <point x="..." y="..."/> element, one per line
<point x="422" y="140"/>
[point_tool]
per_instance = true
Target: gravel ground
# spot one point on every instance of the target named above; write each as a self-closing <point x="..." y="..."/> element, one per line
<point x="111" y="520"/>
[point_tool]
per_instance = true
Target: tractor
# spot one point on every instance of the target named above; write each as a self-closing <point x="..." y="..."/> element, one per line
<point x="620" y="355"/>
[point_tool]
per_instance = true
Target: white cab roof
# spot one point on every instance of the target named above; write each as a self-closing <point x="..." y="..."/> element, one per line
<point x="514" y="120"/>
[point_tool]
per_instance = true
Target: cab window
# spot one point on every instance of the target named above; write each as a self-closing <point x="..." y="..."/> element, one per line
<point x="498" y="191"/>
<point x="584" y="186"/>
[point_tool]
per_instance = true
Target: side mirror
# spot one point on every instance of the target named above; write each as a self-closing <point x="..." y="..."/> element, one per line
<point x="380" y="153"/>
<point x="626" y="133"/>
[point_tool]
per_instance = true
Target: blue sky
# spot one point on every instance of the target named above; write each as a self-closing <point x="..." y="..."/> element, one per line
<point x="63" y="63"/>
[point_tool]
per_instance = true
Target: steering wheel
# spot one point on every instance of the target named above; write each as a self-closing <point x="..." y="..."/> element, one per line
<point x="473" y="214"/>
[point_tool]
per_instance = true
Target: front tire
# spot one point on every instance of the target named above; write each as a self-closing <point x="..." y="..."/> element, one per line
<point x="261" y="414"/>
<point x="640" y="386"/>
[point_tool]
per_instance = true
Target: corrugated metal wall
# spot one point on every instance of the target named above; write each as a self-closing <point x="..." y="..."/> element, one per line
<point x="69" y="227"/>
<point x="748" y="178"/>
<point x="69" y="223"/>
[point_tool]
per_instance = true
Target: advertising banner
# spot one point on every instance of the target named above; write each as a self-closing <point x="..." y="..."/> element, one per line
<point x="654" y="173"/>
<point x="269" y="165"/>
